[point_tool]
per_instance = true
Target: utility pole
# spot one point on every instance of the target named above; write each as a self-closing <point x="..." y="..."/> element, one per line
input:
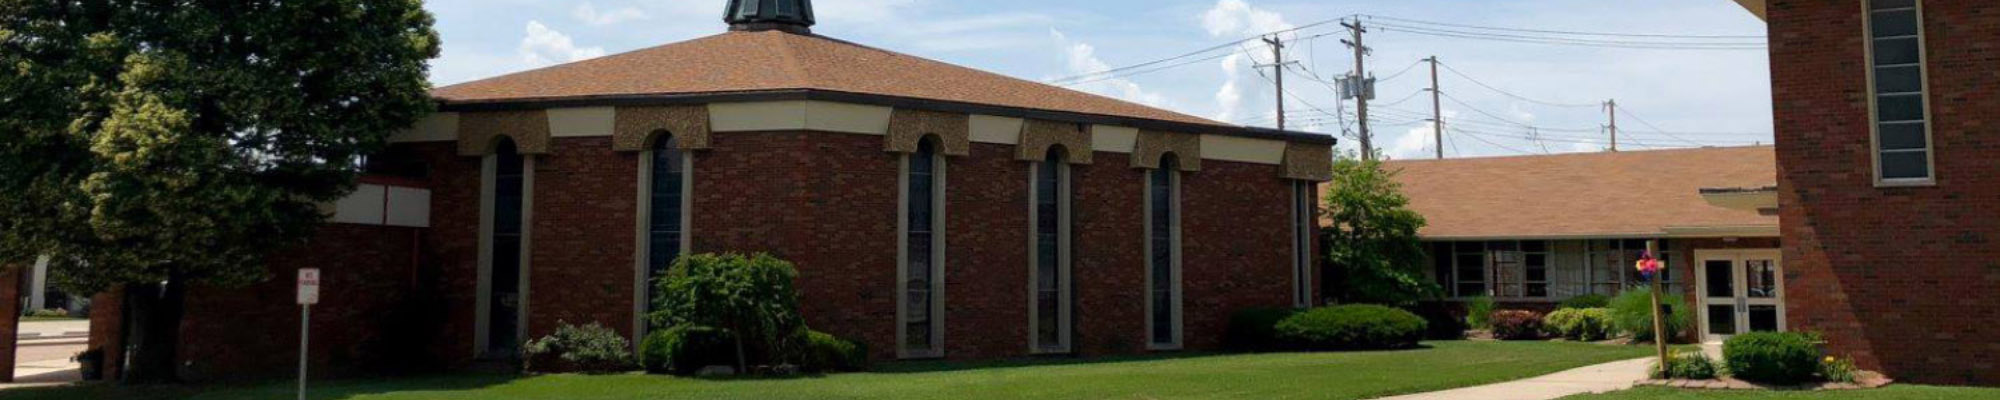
<point x="1611" y="109"/>
<point x="1361" y="85"/>
<point x="1278" y="66"/>
<point x="1437" y="115"/>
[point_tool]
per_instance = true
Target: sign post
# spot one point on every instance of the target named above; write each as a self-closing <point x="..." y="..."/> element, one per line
<point x="308" y="295"/>
<point x="1653" y="268"/>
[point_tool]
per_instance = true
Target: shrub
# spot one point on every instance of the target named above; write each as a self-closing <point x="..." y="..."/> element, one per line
<point x="1835" y="369"/>
<point x="1517" y="325"/>
<point x="1592" y="300"/>
<point x="1632" y="313"/>
<point x="824" y="352"/>
<point x="49" y="313"/>
<point x="1479" y="312"/>
<point x="751" y="297"/>
<point x="1585" y="324"/>
<point x="1444" y="320"/>
<point x="1772" y="357"/>
<point x="684" y="349"/>
<point x="1255" y="329"/>
<point x="1686" y="365"/>
<point x="589" y="348"/>
<point x="1360" y="326"/>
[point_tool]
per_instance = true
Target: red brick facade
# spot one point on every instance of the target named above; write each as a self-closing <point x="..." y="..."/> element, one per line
<point x="824" y="201"/>
<point x="1903" y="279"/>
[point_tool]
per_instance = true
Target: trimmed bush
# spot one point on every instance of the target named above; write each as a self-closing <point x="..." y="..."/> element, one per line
<point x="1772" y="357"/>
<point x="1479" y="312"/>
<point x="684" y="349"/>
<point x="752" y="297"/>
<point x="1686" y="365"/>
<point x="1584" y="324"/>
<point x="825" y="352"/>
<point x="1517" y="325"/>
<point x="1360" y="326"/>
<point x="1632" y="313"/>
<point x="589" y="348"/>
<point x="1256" y="329"/>
<point x="1592" y="300"/>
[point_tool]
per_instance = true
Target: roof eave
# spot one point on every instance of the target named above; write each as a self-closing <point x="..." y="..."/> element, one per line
<point x="1756" y="7"/>
<point x="450" y="105"/>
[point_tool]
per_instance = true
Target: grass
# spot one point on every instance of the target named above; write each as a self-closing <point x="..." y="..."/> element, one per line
<point x="1892" y="392"/>
<point x="37" y="319"/>
<point x="1347" y="375"/>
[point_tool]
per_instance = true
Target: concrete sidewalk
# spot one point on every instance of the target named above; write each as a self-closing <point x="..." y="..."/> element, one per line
<point x="54" y="329"/>
<point x="1600" y="378"/>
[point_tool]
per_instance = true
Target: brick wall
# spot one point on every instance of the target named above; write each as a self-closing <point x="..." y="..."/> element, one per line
<point x="1903" y="279"/>
<point x="107" y="321"/>
<point x="10" y="315"/>
<point x="825" y="201"/>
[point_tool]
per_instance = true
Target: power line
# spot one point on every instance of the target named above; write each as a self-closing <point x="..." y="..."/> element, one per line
<point x="1559" y="32"/>
<point x="1624" y="44"/>
<point x="1069" y="80"/>
<point x="1475" y="81"/>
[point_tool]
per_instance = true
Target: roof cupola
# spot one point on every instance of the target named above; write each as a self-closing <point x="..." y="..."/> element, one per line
<point x="795" y="16"/>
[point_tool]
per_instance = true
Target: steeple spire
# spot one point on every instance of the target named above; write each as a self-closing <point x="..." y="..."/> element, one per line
<point x="795" y="16"/>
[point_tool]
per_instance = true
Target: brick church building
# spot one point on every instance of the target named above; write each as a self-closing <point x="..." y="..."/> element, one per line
<point x="933" y="211"/>
<point x="1886" y="180"/>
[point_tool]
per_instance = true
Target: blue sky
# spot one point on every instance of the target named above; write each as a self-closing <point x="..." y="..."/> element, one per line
<point x="1701" y="97"/>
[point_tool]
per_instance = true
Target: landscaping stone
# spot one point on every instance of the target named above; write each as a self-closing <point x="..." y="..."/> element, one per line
<point x="1862" y="380"/>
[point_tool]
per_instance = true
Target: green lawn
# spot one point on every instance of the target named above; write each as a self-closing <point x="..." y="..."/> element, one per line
<point x="1892" y="392"/>
<point x="1349" y="375"/>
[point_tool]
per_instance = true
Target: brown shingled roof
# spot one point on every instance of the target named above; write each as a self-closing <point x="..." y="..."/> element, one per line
<point x="752" y="61"/>
<point x="1623" y="194"/>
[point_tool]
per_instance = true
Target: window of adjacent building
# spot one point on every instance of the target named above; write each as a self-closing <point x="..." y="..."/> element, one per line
<point x="1468" y="272"/>
<point x="922" y="321"/>
<point x="1900" y="113"/>
<point x="503" y="273"/>
<point x="1163" y="262"/>
<point x="666" y="176"/>
<point x="1051" y="249"/>
<point x="1305" y="204"/>
<point x="1539" y="269"/>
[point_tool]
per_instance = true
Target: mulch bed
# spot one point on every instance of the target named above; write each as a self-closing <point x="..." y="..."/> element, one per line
<point x="1862" y="380"/>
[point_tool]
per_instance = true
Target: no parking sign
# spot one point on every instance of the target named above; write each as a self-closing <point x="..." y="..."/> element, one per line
<point x="308" y="286"/>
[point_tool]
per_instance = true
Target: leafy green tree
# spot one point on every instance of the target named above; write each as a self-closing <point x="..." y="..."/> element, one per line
<point x="160" y="144"/>
<point x="1373" y="254"/>
<point x="750" y="296"/>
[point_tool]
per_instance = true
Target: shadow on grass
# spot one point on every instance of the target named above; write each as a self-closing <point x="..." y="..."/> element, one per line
<point x="908" y="367"/>
<point x="332" y="390"/>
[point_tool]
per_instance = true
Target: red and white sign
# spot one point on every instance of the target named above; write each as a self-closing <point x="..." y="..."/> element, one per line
<point x="308" y="286"/>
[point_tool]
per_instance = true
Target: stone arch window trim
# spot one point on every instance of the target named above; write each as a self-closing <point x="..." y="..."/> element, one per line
<point x="1151" y="145"/>
<point x="1037" y="136"/>
<point x="935" y="269"/>
<point x="479" y="132"/>
<point x="637" y="128"/>
<point x="1307" y="162"/>
<point x="908" y="128"/>
<point x="642" y="255"/>
<point x="1056" y="171"/>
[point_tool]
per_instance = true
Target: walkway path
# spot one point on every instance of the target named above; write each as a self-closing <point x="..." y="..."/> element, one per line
<point x="1600" y="378"/>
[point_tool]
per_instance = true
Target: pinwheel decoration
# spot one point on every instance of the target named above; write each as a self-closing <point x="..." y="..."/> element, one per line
<point x="1648" y="265"/>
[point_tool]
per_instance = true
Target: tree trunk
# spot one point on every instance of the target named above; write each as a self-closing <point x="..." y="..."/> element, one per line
<point x="742" y="365"/>
<point x="155" y="347"/>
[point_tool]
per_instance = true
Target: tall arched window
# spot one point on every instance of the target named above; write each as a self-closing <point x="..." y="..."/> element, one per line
<point x="1305" y="207"/>
<point x="921" y="317"/>
<point x="1050" y="273"/>
<point x="666" y="173"/>
<point x="503" y="290"/>
<point x="1163" y="263"/>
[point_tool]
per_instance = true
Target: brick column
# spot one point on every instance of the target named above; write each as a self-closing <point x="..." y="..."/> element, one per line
<point x="10" y="318"/>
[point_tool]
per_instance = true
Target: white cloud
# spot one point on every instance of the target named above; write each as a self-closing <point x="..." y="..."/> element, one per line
<point x="1081" y="58"/>
<point x="589" y="14"/>
<point x="544" y="46"/>
<point x="1236" y="19"/>
<point x="1418" y="142"/>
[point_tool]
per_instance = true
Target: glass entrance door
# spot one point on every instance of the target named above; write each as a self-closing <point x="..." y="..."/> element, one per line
<point x="1740" y="291"/>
